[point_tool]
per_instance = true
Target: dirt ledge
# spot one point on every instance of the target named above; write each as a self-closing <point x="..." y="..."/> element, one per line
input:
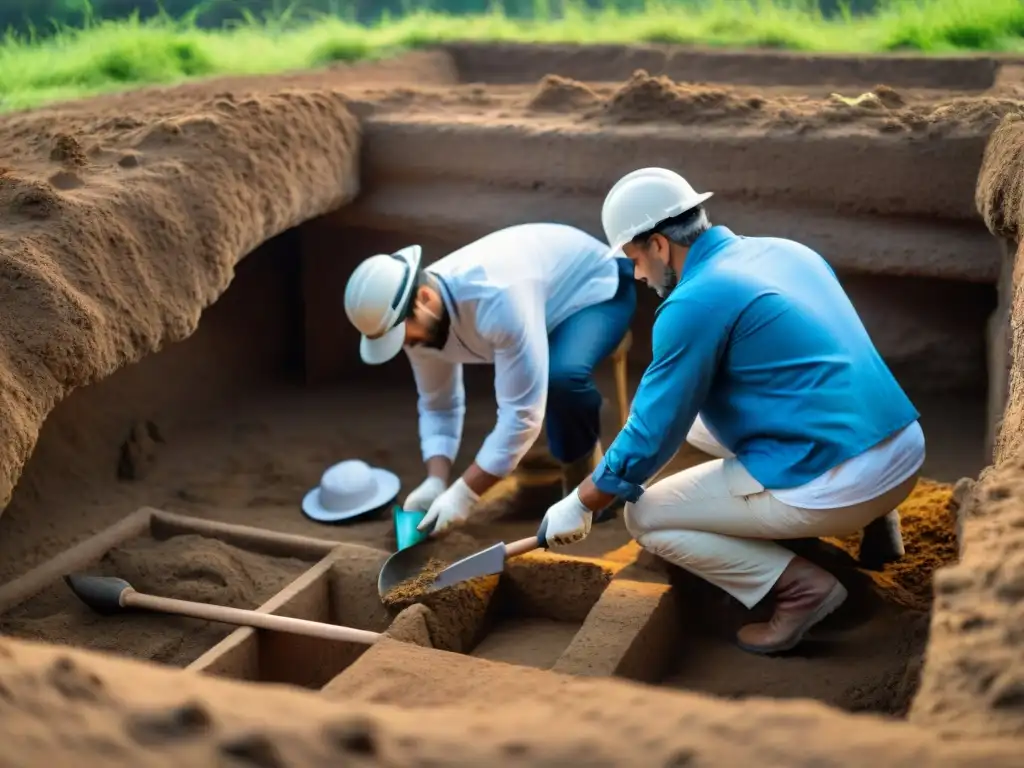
<point x="139" y="714"/>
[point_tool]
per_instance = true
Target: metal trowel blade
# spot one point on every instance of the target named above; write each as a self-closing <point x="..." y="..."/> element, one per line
<point x="484" y="563"/>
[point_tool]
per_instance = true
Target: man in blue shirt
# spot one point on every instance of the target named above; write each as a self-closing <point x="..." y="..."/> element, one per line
<point x="760" y="359"/>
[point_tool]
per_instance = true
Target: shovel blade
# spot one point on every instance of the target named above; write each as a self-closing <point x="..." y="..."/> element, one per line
<point x="483" y="563"/>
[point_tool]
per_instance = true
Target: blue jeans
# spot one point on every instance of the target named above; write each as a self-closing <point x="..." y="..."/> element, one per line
<point x="575" y="348"/>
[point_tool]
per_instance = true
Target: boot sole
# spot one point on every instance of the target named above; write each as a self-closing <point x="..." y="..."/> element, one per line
<point x="835" y="598"/>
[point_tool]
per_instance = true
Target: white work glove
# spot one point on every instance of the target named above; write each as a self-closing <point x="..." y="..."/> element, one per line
<point x="567" y="522"/>
<point x="422" y="496"/>
<point x="451" y="508"/>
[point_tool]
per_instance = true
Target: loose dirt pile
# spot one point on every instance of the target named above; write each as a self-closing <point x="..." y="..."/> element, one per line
<point x="560" y="94"/>
<point x="656" y="99"/>
<point x="645" y="99"/>
<point x="414" y="588"/>
<point x="185" y="567"/>
<point x="928" y="519"/>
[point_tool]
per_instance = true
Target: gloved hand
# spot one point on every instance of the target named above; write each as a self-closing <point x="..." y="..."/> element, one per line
<point x="422" y="496"/>
<point x="567" y="521"/>
<point x="451" y="508"/>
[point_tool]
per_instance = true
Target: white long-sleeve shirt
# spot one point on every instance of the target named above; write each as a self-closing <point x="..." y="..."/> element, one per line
<point x="504" y="294"/>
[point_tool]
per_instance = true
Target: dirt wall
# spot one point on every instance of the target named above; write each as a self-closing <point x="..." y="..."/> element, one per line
<point x="119" y="228"/>
<point x="930" y="331"/>
<point x="973" y="679"/>
<point x="250" y="337"/>
<point x="490" y="63"/>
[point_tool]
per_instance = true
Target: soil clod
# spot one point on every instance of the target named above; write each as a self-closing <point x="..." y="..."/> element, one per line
<point x="187" y="721"/>
<point x="252" y="749"/>
<point x="354" y="736"/>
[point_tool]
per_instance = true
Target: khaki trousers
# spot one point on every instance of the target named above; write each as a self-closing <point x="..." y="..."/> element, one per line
<point x="716" y="521"/>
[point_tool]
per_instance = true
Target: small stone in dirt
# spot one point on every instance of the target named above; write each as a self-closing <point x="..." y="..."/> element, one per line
<point x="253" y="749"/>
<point x="173" y="724"/>
<point x="73" y="682"/>
<point x="355" y="736"/>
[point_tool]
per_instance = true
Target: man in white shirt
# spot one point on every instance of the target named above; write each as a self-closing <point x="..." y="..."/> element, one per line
<point x="544" y="303"/>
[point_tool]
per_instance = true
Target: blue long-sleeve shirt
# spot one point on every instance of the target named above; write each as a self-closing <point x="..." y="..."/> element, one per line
<point x="761" y="340"/>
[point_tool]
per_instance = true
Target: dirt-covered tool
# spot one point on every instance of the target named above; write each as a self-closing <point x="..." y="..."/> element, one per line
<point x="110" y="595"/>
<point x="408" y="563"/>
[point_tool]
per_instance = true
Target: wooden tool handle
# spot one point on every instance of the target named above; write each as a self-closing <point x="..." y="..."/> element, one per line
<point x="522" y="546"/>
<point x="131" y="598"/>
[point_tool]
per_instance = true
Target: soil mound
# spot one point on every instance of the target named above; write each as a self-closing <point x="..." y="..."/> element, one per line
<point x="928" y="519"/>
<point x="644" y="98"/>
<point x="560" y="94"/>
<point x="117" y="228"/>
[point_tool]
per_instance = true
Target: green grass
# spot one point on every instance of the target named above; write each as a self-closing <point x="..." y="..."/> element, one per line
<point x="114" y="55"/>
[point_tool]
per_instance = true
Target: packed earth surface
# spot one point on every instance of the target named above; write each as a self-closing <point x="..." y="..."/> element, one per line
<point x="171" y="267"/>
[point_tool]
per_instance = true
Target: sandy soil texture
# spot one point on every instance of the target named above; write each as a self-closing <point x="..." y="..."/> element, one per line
<point x="184" y="567"/>
<point x="125" y="217"/>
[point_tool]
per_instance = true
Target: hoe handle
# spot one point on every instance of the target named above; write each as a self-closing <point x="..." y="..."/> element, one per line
<point x="132" y="599"/>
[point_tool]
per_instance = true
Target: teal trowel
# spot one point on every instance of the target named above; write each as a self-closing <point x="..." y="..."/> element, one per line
<point x="406" y="521"/>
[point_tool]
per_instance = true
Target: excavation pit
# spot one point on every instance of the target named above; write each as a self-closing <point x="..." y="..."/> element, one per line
<point x="340" y="589"/>
<point x="160" y="554"/>
<point x="528" y="615"/>
<point x="270" y="409"/>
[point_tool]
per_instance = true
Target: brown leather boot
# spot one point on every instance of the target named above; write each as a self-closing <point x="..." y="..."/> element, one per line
<point x="804" y="595"/>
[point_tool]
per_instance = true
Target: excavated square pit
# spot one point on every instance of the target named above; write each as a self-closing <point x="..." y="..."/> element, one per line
<point x="529" y="615"/>
<point x="571" y="615"/>
<point x="162" y="554"/>
<point x="340" y="589"/>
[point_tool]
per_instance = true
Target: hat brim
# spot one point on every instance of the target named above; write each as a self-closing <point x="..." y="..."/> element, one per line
<point x="387" y="489"/>
<point x="383" y="348"/>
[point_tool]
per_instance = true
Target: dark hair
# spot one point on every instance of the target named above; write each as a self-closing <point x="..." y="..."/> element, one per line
<point x="683" y="229"/>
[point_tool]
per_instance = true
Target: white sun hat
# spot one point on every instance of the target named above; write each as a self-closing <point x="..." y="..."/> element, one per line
<point x="377" y="296"/>
<point x="348" y="489"/>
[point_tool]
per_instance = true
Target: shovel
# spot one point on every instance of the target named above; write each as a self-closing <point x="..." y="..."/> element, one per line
<point x="109" y="595"/>
<point x="408" y="562"/>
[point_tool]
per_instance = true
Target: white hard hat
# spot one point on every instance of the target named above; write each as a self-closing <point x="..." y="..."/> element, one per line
<point x="642" y="199"/>
<point x="376" y="297"/>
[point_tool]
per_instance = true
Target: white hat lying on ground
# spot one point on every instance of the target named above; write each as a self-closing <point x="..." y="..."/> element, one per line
<point x="348" y="489"/>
